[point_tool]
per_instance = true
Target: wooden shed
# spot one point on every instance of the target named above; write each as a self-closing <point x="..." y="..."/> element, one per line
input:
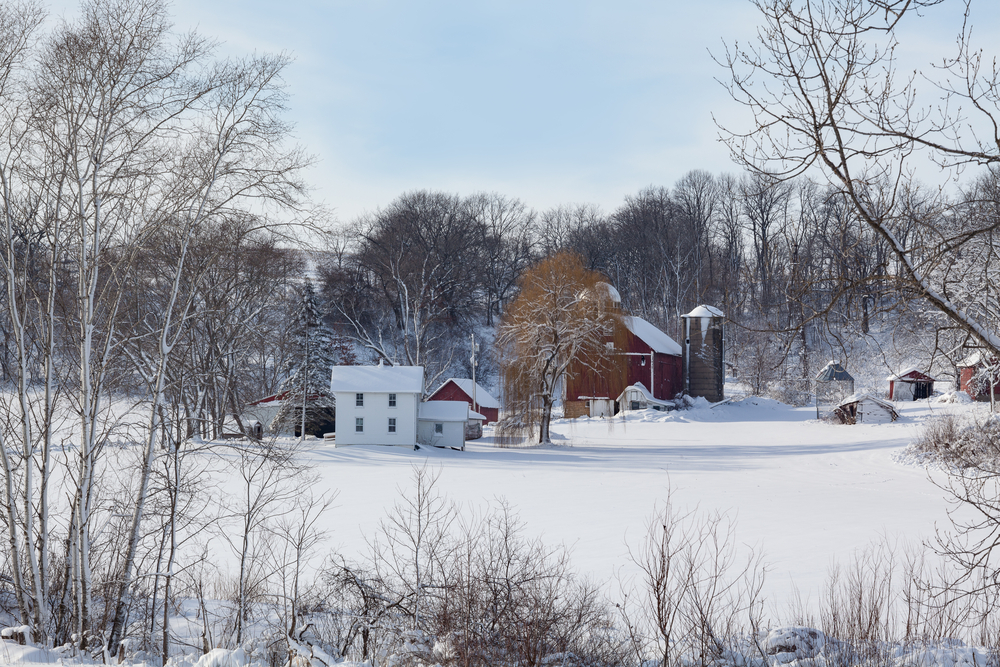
<point x="866" y="409"/>
<point x="464" y="389"/>
<point x="910" y="385"/>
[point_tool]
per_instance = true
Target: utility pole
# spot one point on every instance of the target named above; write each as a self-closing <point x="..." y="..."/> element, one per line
<point x="475" y="406"/>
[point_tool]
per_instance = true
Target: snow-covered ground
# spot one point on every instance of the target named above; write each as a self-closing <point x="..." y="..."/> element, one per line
<point x="807" y="492"/>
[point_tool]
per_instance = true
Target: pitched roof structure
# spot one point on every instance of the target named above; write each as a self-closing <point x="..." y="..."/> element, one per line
<point x="913" y="374"/>
<point x="833" y="372"/>
<point x="483" y="397"/>
<point x="378" y="379"/>
<point x="651" y="336"/>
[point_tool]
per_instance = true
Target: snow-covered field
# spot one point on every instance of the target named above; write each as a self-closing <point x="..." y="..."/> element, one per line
<point x="807" y="492"/>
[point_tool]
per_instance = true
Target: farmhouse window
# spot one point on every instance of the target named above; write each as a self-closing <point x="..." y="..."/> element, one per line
<point x="359" y="400"/>
<point x="392" y="424"/>
<point x="359" y="424"/>
<point x="392" y="400"/>
<point x="439" y="428"/>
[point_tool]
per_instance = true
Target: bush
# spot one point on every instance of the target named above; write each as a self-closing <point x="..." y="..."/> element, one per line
<point x="961" y="442"/>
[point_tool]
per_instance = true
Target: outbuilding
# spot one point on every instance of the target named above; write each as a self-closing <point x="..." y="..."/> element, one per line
<point x="464" y="389"/>
<point x="866" y="409"/>
<point x="637" y="397"/>
<point x="442" y="423"/>
<point x="833" y="385"/>
<point x="910" y="385"/>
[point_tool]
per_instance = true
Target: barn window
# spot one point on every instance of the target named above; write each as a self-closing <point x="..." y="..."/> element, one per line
<point x="439" y="428"/>
<point x="392" y="400"/>
<point x="359" y="424"/>
<point x="359" y="400"/>
<point x="392" y="423"/>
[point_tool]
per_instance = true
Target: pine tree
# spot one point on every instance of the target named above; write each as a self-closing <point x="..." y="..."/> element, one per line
<point x="307" y="380"/>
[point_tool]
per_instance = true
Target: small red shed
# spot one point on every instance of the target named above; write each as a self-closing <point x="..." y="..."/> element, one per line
<point x="461" y="389"/>
<point x="973" y="376"/>
<point x="910" y="385"/>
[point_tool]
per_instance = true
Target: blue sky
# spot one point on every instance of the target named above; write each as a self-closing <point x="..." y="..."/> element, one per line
<point x="551" y="101"/>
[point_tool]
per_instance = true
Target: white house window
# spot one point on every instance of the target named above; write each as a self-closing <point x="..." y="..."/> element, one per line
<point x="439" y="428"/>
<point x="359" y="400"/>
<point x="359" y="424"/>
<point x="392" y="400"/>
<point x="392" y="424"/>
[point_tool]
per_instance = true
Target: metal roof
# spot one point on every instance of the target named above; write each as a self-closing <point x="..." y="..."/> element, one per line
<point x="833" y="372"/>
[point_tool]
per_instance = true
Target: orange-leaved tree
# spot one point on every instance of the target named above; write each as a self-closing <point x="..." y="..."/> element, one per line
<point x="562" y="319"/>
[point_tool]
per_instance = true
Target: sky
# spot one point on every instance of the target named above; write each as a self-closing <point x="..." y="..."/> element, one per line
<point x="551" y="101"/>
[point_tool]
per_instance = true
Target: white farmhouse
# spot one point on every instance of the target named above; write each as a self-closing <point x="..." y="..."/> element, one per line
<point x="380" y="405"/>
<point x="377" y="405"/>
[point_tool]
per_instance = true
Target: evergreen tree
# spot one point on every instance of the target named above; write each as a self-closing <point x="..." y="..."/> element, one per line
<point x="307" y="379"/>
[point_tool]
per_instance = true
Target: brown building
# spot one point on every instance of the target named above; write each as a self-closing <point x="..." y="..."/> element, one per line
<point x="653" y="359"/>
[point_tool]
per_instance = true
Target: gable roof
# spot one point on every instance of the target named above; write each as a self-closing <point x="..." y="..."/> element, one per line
<point x="483" y="397"/>
<point x="378" y="379"/>
<point x="913" y="374"/>
<point x="651" y="336"/>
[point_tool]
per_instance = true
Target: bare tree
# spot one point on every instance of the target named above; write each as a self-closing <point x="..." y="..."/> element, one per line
<point x="826" y="90"/>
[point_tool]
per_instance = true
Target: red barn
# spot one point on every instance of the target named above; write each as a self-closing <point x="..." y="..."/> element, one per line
<point x="460" y="389"/>
<point x="654" y="359"/>
<point x="910" y="385"/>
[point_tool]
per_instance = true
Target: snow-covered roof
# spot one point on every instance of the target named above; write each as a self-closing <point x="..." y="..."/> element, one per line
<point x="483" y="398"/>
<point x="444" y="411"/>
<point x="974" y="359"/>
<point x="902" y="375"/>
<point x="651" y="336"/>
<point x="612" y="293"/>
<point x="380" y="379"/>
<point x="863" y="397"/>
<point x="641" y="388"/>
<point x="475" y="415"/>
<point x="833" y="372"/>
<point x="705" y="311"/>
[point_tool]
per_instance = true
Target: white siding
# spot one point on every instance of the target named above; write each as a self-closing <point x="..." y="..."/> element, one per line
<point x="376" y="414"/>
<point x="453" y="435"/>
<point x="870" y="412"/>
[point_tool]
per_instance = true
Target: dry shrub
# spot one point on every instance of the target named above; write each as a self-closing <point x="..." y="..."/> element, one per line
<point x="961" y="441"/>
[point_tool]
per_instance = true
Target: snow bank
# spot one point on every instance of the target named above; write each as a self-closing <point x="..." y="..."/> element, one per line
<point x="221" y="657"/>
<point x="953" y="397"/>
